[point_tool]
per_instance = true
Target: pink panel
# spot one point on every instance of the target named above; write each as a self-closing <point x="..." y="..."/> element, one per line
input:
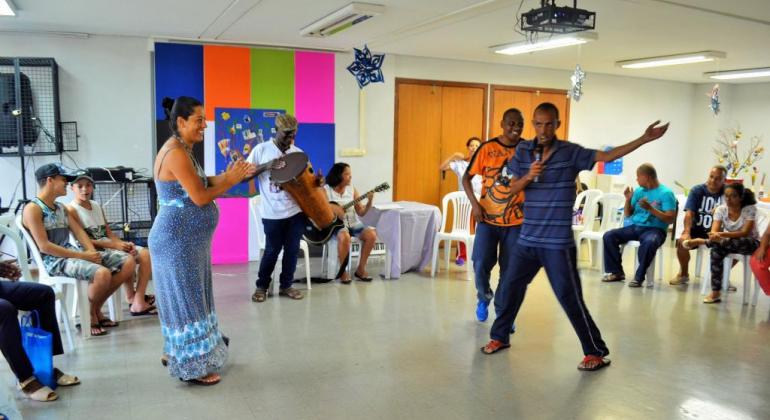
<point x="231" y="239"/>
<point x="314" y="87"/>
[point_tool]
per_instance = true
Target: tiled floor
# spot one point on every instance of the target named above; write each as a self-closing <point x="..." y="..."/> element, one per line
<point x="409" y="349"/>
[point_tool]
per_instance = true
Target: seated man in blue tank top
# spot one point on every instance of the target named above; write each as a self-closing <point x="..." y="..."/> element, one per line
<point x="650" y="208"/>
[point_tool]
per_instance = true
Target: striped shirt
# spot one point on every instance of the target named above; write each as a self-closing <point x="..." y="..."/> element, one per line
<point x="548" y="204"/>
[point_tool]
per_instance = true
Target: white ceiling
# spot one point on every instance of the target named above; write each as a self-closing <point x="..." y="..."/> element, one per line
<point x="454" y="29"/>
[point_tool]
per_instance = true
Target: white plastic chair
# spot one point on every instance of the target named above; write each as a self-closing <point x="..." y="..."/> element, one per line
<point x="261" y="241"/>
<point x="461" y="229"/>
<point x="59" y="282"/>
<point x="763" y="217"/>
<point x="650" y="277"/>
<point x="22" y="258"/>
<point x="590" y="211"/>
<point x="612" y="218"/>
<point x="330" y="260"/>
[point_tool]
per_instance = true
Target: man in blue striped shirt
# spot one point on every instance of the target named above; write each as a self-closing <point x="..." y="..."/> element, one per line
<point x="546" y="168"/>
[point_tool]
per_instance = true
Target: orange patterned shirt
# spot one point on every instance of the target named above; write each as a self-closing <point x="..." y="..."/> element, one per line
<point x="502" y="208"/>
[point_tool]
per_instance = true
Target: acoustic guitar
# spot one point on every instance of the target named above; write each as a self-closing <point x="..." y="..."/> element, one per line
<point x="321" y="236"/>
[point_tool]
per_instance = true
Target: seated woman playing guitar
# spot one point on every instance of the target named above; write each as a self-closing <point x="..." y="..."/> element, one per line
<point x="339" y="191"/>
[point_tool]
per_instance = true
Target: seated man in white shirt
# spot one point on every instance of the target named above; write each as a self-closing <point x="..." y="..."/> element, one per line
<point x="91" y="217"/>
<point x="282" y="218"/>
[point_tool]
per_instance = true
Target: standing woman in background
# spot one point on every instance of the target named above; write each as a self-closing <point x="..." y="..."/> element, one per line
<point x="180" y="247"/>
<point x="458" y="163"/>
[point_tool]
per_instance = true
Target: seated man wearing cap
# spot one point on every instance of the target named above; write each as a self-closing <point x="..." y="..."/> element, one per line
<point x="93" y="220"/>
<point x="50" y="224"/>
<point x="282" y="218"/>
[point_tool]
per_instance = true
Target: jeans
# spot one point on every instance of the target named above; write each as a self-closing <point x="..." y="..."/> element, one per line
<point x="650" y="239"/>
<point x="489" y="240"/>
<point x="281" y="234"/>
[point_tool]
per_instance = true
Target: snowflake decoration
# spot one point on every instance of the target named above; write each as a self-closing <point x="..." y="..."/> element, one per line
<point x="366" y="67"/>
<point x="714" y="99"/>
<point x="576" y="89"/>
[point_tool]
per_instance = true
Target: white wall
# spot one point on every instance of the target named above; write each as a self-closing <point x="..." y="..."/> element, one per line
<point x="612" y="111"/>
<point x="104" y="85"/>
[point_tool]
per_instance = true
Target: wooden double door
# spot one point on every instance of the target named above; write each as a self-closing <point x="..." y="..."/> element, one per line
<point x="435" y="119"/>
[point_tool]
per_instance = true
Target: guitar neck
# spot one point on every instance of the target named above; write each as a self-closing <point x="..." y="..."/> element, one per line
<point x="356" y="201"/>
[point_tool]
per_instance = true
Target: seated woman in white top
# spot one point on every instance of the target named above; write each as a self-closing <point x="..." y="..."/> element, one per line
<point x="93" y="221"/>
<point x="339" y="189"/>
<point x="734" y="231"/>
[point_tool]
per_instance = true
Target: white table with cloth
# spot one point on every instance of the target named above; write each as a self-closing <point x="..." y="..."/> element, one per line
<point x="407" y="229"/>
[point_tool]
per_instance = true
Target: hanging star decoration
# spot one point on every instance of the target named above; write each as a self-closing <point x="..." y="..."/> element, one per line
<point x="366" y="67"/>
<point x="714" y="99"/>
<point x="576" y="90"/>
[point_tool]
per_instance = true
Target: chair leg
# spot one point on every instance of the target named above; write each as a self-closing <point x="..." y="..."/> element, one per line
<point x="728" y="264"/>
<point x="433" y="259"/>
<point x="307" y="269"/>
<point x="468" y="262"/>
<point x="118" y="296"/>
<point x="747" y="277"/>
<point x="600" y="254"/>
<point x="756" y="292"/>
<point x="447" y="248"/>
<point x="698" y="261"/>
<point x="63" y="317"/>
<point x="661" y="261"/>
<point x="323" y="260"/>
<point x="84" y="308"/>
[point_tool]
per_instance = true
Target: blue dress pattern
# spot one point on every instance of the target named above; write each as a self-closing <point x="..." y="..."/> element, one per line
<point x="180" y="249"/>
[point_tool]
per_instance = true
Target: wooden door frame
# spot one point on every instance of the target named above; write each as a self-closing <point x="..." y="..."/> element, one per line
<point x="510" y="88"/>
<point x="441" y="83"/>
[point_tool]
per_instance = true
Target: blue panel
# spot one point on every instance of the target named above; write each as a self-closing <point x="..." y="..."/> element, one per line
<point x="178" y="72"/>
<point x="317" y="140"/>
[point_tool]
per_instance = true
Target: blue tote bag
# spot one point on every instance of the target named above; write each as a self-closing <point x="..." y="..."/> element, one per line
<point x="38" y="343"/>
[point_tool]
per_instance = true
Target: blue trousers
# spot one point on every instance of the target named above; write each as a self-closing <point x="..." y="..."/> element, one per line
<point x="561" y="267"/>
<point x="281" y="234"/>
<point x="489" y="239"/>
<point x="650" y="239"/>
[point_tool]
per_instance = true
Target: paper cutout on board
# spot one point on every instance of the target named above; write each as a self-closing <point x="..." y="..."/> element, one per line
<point x="614" y="167"/>
<point x="238" y="131"/>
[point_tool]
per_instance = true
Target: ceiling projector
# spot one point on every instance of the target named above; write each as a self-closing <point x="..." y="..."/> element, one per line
<point x="550" y="18"/>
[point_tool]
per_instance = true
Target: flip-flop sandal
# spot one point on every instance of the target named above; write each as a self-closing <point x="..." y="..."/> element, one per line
<point x="291" y="293"/>
<point x="494" y="346"/>
<point x="198" y="381"/>
<point x="33" y="389"/>
<point x="108" y="323"/>
<point x="348" y="281"/>
<point x="149" y="311"/>
<point x="104" y="332"/>
<point x="62" y="379"/>
<point x="260" y="295"/>
<point x="601" y="363"/>
<point x="362" y="278"/>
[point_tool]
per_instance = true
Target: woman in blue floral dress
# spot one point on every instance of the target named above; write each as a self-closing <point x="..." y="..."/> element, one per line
<point x="180" y="247"/>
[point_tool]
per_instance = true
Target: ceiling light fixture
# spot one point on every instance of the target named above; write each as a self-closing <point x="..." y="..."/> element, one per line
<point x="7" y="8"/>
<point x="670" y="60"/>
<point x="557" y="41"/>
<point x="739" y="74"/>
<point x="339" y="20"/>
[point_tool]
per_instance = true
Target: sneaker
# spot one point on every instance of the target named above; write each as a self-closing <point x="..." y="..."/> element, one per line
<point x="460" y="262"/>
<point x="482" y="312"/>
<point x="610" y="277"/>
<point x="635" y="283"/>
<point x="678" y="280"/>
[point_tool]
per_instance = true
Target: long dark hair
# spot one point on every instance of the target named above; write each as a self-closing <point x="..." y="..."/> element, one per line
<point x="183" y="106"/>
<point x="334" y="177"/>
<point x="746" y="195"/>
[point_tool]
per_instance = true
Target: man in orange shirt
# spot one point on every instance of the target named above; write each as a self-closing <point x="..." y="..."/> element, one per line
<point x="497" y="212"/>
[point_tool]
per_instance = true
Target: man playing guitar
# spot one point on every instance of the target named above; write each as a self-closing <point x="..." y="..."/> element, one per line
<point x="282" y="217"/>
<point x="339" y="189"/>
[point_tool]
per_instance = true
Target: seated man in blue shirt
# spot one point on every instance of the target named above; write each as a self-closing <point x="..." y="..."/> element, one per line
<point x="651" y="208"/>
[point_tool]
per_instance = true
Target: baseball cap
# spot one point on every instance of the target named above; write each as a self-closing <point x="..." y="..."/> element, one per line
<point x="53" y="169"/>
<point x="82" y="175"/>
<point x="285" y="122"/>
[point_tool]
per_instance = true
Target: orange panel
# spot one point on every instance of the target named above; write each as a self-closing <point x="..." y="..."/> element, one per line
<point x="226" y="78"/>
<point x="462" y="117"/>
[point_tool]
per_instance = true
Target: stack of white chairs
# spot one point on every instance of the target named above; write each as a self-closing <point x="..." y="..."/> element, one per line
<point x="590" y="210"/>
<point x="612" y="218"/>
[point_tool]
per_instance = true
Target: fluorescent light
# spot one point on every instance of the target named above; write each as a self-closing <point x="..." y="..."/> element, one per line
<point x="670" y="60"/>
<point x="339" y="20"/>
<point x="739" y="74"/>
<point x="546" y="44"/>
<point x="6" y="8"/>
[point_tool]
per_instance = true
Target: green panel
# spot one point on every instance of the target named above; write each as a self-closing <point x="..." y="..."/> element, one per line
<point x="272" y="79"/>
